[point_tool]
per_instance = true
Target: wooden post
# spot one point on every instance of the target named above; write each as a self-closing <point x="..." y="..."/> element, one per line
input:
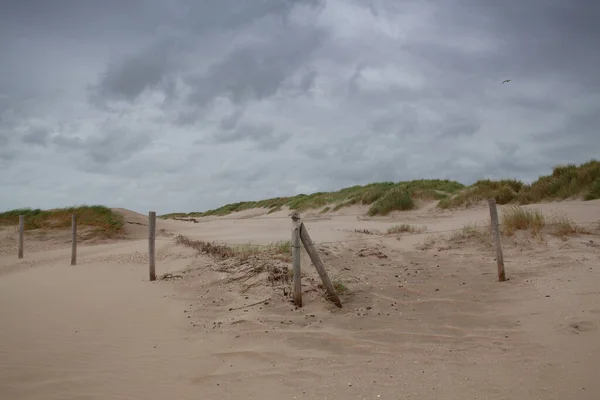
<point x="152" y="244"/>
<point x="74" y="239"/>
<point x="496" y="234"/>
<point x="21" y="233"/>
<point x="316" y="260"/>
<point x="296" y="259"/>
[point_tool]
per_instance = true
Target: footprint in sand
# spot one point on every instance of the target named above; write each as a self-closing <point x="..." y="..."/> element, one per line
<point x="578" y="327"/>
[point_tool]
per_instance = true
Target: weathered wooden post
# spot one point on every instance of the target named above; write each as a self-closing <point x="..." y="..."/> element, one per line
<point x="296" y="259"/>
<point x="152" y="244"/>
<point x="496" y="234"/>
<point x="316" y="260"/>
<point x="21" y="233"/>
<point x="74" y="239"/>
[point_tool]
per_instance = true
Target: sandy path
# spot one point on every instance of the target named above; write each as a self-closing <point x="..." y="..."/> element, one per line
<point x="417" y="324"/>
<point x="97" y="330"/>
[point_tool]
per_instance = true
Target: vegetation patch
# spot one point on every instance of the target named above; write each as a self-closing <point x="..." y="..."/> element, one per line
<point x="397" y="199"/>
<point x="281" y="250"/>
<point x="102" y="219"/>
<point x="340" y="287"/>
<point x="369" y="194"/>
<point x="566" y="181"/>
<point x="515" y="218"/>
<point x="405" y="228"/>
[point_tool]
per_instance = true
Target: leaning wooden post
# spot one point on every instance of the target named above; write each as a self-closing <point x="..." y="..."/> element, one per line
<point x="296" y="259"/>
<point x="74" y="239"/>
<point x="316" y="260"/>
<point x="496" y="233"/>
<point x="21" y="233"/>
<point x="152" y="244"/>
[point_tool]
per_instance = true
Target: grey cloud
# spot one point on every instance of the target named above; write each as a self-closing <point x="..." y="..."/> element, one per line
<point x="69" y="142"/>
<point x="115" y="146"/>
<point x="264" y="136"/>
<point x="128" y="78"/>
<point x="509" y="149"/>
<point x="204" y="17"/>
<point x="307" y="82"/>
<point x="230" y="94"/>
<point x="408" y="120"/>
<point x="231" y="121"/>
<point x="256" y="71"/>
<point x="37" y="136"/>
<point x="460" y="127"/>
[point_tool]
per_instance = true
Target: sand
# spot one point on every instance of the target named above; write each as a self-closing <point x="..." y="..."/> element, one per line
<point x="424" y="318"/>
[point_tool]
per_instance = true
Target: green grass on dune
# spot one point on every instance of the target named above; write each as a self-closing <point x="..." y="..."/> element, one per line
<point x="566" y="181"/>
<point x="383" y="198"/>
<point x="101" y="218"/>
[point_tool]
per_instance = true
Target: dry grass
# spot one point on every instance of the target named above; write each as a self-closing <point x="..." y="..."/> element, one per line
<point x="515" y="218"/>
<point x="340" y="287"/>
<point x="281" y="250"/>
<point x="102" y="219"/>
<point x="246" y="264"/>
<point x="472" y="232"/>
<point x="405" y="228"/>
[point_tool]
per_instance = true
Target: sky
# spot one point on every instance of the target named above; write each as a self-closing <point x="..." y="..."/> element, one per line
<point x="181" y="105"/>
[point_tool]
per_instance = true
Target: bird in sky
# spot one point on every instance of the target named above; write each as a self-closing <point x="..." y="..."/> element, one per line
<point x="506" y="81"/>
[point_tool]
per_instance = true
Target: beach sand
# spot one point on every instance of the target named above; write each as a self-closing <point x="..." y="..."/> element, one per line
<point x="424" y="316"/>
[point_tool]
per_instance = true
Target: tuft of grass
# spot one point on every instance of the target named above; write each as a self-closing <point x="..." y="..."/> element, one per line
<point x="563" y="226"/>
<point x="593" y="191"/>
<point x="397" y="199"/>
<point x="516" y="218"/>
<point x="281" y="250"/>
<point x="468" y="231"/>
<point x="402" y="228"/>
<point x="340" y="287"/>
<point x="102" y="219"/>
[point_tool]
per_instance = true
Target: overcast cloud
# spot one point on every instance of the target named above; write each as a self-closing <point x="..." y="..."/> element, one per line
<point x="184" y="106"/>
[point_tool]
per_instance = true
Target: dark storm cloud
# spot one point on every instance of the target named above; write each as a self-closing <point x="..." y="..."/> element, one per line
<point x="255" y="71"/>
<point x="233" y="94"/>
<point x="127" y="78"/>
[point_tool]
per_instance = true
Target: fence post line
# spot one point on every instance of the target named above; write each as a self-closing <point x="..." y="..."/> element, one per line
<point x="21" y="233"/>
<point x="152" y="244"/>
<point x="296" y="259"/>
<point x="316" y="260"/>
<point x="496" y="234"/>
<point x="74" y="239"/>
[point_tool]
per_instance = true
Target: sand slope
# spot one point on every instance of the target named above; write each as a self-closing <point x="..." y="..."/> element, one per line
<point x="426" y="320"/>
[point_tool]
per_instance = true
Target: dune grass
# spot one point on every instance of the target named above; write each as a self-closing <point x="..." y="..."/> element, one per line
<point x="101" y="218"/>
<point x="405" y="228"/>
<point x="566" y="181"/>
<point x="515" y="218"/>
<point x="281" y="250"/>
<point x="383" y="197"/>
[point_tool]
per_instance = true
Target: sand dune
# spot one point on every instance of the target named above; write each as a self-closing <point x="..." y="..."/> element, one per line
<point x="424" y="317"/>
